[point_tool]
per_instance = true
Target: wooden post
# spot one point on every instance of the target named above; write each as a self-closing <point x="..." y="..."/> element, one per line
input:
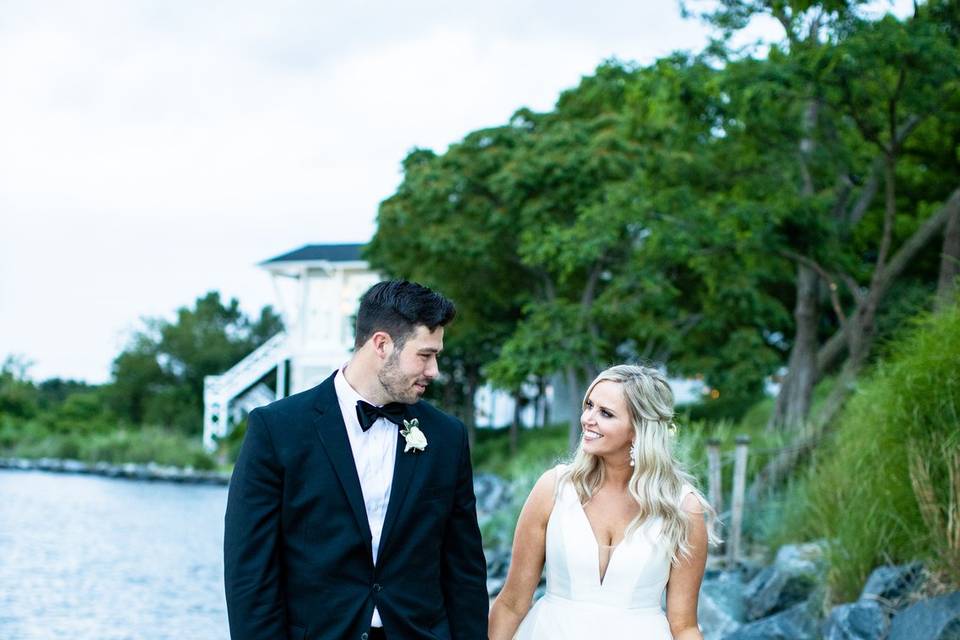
<point x="714" y="475"/>
<point x="739" y="489"/>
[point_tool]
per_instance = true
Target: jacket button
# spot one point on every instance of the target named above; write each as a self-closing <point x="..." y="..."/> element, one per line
<point x="377" y="587"/>
<point x="363" y="636"/>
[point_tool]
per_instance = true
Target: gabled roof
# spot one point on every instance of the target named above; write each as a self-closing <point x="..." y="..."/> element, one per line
<point x="324" y="252"/>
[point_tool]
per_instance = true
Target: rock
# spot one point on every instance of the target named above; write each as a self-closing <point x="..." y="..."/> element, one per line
<point x="795" y="623"/>
<point x="863" y="620"/>
<point x="494" y="585"/>
<point x="720" y="609"/>
<point x="726" y="590"/>
<point x="891" y="584"/>
<point x="498" y="562"/>
<point x="934" y="619"/>
<point x="132" y="471"/>
<point x="492" y="492"/>
<point x="721" y="606"/>
<point x="790" y="579"/>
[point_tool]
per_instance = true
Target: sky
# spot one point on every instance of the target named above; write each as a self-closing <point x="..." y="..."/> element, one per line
<point x="151" y="151"/>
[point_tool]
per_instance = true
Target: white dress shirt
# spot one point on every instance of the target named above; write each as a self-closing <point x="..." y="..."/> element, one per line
<point x="374" y="453"/>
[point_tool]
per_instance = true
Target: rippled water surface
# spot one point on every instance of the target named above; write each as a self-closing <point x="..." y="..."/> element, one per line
<point x="87" y="557"/>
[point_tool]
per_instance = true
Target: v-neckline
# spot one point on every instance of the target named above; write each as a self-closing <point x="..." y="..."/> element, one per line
<point x="601" y="578"/>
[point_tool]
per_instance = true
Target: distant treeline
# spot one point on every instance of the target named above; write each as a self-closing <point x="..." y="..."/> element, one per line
<point x="152" y="409"/>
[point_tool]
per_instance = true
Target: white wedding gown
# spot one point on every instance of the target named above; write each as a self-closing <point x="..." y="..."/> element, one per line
<point x="579" y="605"/>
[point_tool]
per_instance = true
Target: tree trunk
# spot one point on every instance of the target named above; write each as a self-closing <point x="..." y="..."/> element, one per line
<point x="857" y="341"/>
<point x="470" y="413"/>
<point x="949" y="262"/>
<point x="793" y="401"/>
<point x="575" y="399"/>
<point x="540" y="403"/>
<point x="515" y="425"/>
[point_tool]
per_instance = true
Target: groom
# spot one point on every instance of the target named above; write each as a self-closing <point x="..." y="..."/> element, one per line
<point x="351" y="511"/>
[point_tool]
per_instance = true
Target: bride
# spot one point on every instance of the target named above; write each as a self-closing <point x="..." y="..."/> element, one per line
<point x="615" y="528"/>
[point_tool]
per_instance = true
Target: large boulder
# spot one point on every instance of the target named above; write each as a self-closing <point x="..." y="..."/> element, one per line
<point x="720" y="609"/>
<point x="796" y="623"/>
<point x="794" y="574"/>
<point x="864" y="620"/>
<point x="933" y="619"/>
<point x="891" y="585"/>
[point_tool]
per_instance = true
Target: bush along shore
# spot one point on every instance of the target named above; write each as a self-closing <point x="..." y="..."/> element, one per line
<point x="132" y="471"/>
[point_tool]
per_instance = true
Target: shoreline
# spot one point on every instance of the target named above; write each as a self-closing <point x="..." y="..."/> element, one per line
<point x="149" y="472"/>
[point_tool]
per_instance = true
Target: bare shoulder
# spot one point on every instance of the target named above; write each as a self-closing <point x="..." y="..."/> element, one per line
<point x="692" y="503"/>
<point x="541" y="498"/>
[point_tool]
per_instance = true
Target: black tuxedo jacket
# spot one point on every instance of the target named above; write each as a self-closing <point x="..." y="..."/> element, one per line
<point x="297" y="554"/>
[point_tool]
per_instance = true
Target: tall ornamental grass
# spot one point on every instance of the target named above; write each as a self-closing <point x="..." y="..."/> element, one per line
<point x="886" y="487"/>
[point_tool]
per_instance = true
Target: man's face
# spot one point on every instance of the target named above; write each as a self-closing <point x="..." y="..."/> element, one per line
<point x="407" y="371"/>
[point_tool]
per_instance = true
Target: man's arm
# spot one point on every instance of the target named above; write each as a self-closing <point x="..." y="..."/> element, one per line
<point x="251" y="541"/>
<point x="464" y="575"/>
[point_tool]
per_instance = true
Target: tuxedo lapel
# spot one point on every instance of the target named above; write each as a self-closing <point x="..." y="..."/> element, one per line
<point x="403" y="472"/>
<point x="333" y="435"/>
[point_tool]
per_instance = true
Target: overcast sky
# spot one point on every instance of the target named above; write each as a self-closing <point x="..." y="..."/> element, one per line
<point x="153" y="151"/>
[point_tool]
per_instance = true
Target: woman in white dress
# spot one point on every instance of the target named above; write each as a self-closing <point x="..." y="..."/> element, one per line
<point x="615" y="528"/>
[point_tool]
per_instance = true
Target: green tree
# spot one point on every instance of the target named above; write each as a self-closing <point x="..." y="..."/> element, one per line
<point x="158" y="378"/>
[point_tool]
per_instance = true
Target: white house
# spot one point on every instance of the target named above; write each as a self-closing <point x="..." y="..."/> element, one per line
<point x="318" y="288"/>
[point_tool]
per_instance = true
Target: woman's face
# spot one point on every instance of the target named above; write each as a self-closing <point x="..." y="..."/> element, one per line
<point x="606" y="424"/>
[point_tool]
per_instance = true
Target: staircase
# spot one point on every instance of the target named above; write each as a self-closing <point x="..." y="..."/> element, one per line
<point x="219" y="391"/>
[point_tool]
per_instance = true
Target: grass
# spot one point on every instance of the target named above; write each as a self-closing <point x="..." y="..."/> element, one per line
<point x="859" y="492"/>
<point x="148" y="444"/>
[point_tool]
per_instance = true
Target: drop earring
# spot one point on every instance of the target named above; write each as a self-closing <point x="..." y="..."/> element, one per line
<point x="633" y="454"/>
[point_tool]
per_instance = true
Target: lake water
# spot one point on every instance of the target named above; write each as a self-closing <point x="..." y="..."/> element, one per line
<point x="88" y="557"/>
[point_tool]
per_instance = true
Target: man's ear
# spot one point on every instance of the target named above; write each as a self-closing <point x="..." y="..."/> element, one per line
<point x="382" y="344"/>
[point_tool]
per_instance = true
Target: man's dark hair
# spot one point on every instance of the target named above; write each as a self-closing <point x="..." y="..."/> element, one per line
<point x="398" y="307"/>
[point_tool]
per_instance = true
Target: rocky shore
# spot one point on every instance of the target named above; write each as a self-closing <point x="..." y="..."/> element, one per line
<point x="146" y="472"/>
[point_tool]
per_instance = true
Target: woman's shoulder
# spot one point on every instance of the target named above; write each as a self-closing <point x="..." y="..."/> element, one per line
<point x="545" y="491"/>
<point x="691" y="500"/>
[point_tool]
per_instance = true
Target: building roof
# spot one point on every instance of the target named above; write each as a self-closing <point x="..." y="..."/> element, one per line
<point x="324" y="252"/>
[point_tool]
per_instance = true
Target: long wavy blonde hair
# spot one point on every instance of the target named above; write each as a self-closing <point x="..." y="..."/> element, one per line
<point x="658" y="477"/>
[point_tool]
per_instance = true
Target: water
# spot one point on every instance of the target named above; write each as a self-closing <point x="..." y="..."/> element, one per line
<point x="87" y="557"/>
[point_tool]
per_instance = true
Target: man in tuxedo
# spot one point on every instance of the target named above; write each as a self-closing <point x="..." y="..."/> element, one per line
<point x="351" y="511"/>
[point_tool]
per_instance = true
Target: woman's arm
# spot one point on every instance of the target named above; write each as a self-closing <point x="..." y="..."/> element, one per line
<point x="683" y="586"/>
<point x="526" y="564"/>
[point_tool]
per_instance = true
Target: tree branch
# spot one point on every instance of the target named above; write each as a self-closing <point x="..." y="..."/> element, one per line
<point x="873" y="182"/>
<point x="835" y="345"/>
<point x="825" y="276"/>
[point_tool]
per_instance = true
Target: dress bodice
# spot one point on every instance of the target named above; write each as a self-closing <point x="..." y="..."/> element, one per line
<point x="626" y="603"/>
<point x="637" y="569"/>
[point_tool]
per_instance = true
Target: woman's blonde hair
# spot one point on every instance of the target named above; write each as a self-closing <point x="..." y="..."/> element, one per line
<point x="658" y="478"/>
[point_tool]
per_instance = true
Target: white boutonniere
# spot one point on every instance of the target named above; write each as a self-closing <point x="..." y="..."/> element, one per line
<point x="414" y="437"/>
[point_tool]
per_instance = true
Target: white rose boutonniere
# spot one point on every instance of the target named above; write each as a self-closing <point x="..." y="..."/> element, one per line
<point x="414" y="437"/>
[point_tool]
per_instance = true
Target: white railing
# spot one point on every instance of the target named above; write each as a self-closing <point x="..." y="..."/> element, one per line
<point x="219" y="391"/>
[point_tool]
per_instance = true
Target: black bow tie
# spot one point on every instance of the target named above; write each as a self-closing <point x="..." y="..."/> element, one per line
<point x="367" y="413"/>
